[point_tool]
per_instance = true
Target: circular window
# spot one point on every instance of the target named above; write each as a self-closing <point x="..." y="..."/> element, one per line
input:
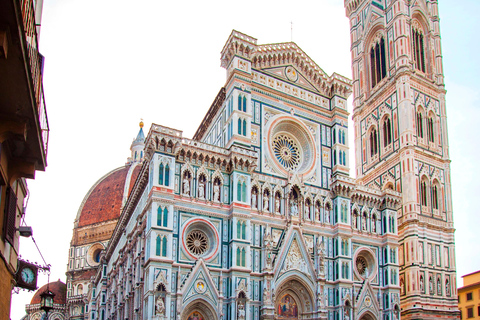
<point x="286" y="151"/>
<point x="365" y="263"/>
<point x="200" y="239"/>
<point x="197" y="242"/>
<point x="93" y="254"/>
<point x="291" y="146"/>
<point x="361" y="265"/>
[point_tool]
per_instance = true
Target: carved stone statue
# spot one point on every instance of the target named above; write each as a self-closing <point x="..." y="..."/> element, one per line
<point x="317" y="213"/>
<point x="421" y="284"/>
<point x="354" y="221"/>
<point x="327" y="216"/>
<point x="254" y="200"/>
<point x="241" y="310"/>
<point x="201" y="190"/>
<point x="186" y="186"/>
<point x="277" y="205"/>
<point x="265" y="202"/>
<point x="160" y="306"/>
<point x="364" y="223"/>
<point x="216" y="193"/>
<point x="346" y="314"/>
<point x="374" y="225"/>
<point x="293" y="208"/>
<point x="447" y="288"/>
<point x="431" y="285"/>
<point x="307" y="212"/>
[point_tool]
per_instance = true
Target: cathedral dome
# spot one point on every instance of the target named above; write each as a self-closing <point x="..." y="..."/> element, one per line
<point x="105" y="199"/>
<point x="57" y="287"/>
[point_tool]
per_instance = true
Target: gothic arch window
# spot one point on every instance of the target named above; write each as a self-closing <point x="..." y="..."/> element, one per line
<point x="373" y="141"/>
<point x="435" y="198"/>
<point x="419" y="123"/>
<point x="162" y="217"/>
<point x="239" y="102"/>
<point x="244" y="127"/>
<point x="430" y="128"/>
<point x="334" y="136"/>
<point x="387" y="132"/>
<point x="161" y="174"/>
<point x="241" y="255"/>
<point x="161" y="246"/>
<point x="378" y="66"/>
<point x="418" y="46"/>
<point x="239" y="126"/>
<point x="244" y="104"/>
<point x="241" y="230"/>
<point x="424" y="192"/>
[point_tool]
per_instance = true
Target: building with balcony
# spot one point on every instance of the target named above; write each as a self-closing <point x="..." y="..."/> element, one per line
<point x="469" y="296"/>
<point x="23" y="127"/>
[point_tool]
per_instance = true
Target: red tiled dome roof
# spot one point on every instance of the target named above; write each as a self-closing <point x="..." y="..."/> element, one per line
<point x="57" y="287"/>
<point x="104" y="200"/>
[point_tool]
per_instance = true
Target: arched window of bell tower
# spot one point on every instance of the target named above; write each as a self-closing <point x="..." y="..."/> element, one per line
<point x="386" y="131"/>
<point x="424" y="189"/>
<point x="418" y="46"/>
<point x="419" y="122"/>
<point x="373" y="141"/>
<point x="435" y="195"/>
<point x="378" y="65"/>
<point x="431" y="127"/>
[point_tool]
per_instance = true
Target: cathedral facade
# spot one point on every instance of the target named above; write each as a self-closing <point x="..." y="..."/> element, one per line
<point x="256" y="216"/>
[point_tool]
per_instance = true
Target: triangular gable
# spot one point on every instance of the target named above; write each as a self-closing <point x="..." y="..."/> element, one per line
<point x="301" y="80"/>
<point x="294" y="256"/>
<point x="367" y="300"/>
<point x="199" y="283"/>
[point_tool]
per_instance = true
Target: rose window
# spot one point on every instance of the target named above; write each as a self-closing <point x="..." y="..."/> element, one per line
<point x="197" y="242"/>
<point x="286" y="152"/>
<point x="361" y="265"/>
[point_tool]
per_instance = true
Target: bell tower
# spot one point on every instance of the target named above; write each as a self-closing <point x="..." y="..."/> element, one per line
<point x="401" y="141"/>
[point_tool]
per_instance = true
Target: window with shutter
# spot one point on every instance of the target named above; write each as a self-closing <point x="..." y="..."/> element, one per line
<point x="10" y="215"/>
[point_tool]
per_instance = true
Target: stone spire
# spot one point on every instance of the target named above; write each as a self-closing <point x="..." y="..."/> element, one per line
<point x="138" y="145"/>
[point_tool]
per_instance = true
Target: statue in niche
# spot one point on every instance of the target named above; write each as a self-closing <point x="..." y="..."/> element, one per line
<point x="307" y="212"/>
<point x="186" y="186"/>
<point x="431" y="285"/>
<point x="439" y="287"/>
<point x="327" y="216"/>
<point x="447" y="288"/>
<point x="364" y="223"/>
<point x="277" y="205"/>
<point x="421" y="284"/>
<point x="317" y="212"/>
<point x="346" y="314"/>
<point x="374" y="225"/>
<point x="216" y="192"/>
<point x="293" y="208"/>
<point x="201" y="189"/>
<point x="241" y="310"/>
<point x="265" y="202"/>
<point x="354" y="221"/>
<point x="254" y="199"/>
<point x="160" y="306"/>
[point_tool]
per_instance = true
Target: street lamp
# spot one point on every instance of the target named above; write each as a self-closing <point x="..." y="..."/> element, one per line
<point x="46" y="301"/>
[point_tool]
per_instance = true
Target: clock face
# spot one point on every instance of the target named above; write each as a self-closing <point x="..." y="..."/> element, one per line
<point x="27" y="275"/>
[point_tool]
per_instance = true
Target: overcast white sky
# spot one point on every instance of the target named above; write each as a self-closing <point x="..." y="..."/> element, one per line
<point x="110" y="63"/>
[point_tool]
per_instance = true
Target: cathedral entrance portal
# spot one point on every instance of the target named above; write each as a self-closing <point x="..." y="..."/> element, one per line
<point x="199" y="310"/>
<point x="293" y="300"/>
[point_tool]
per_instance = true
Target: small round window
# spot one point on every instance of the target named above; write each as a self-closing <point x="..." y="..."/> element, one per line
<point x="197" y="242"/>
<point x="365" y="264"/>
<point x="200" y="239"/>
